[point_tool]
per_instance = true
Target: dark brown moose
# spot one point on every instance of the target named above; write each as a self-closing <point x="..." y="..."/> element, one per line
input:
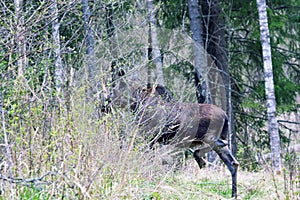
<point x="184" y="125"/>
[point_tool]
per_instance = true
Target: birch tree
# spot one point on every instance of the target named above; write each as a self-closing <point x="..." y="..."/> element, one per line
<point x="20" y="37"/>
<point x="58" y="73"/>
<point x="155" y="44"/>
<point x="269" y="86"/>
<point x="200" y="57"/>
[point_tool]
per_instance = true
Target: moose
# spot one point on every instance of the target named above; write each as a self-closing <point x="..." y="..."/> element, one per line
<point x="203" y="127"/>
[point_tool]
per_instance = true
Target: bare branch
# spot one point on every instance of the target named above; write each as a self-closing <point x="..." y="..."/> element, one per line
<point x="27" y="181"/>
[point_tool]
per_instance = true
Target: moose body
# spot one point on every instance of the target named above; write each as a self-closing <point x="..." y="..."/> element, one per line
<point x="184" y="125"/>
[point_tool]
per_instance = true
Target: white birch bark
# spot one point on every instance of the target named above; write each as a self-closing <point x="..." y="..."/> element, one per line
<point x="200" y="56"/>
<point x="58" y="72"/>
<point x="155" y="44"/>
<point x="20" y="37"/>
<point x="269" y="86"/>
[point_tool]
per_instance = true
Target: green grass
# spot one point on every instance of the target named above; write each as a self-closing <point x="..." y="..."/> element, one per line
<point x="91" y="165"/>
<point x="32" y="193"/>
<point x="158" y="183"/>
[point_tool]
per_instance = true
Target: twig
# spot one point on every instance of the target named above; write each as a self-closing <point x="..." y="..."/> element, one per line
<point x="92" y="178"/>
<point x="284" y="126"/>
<point x="27" y="181"/>
<point x="265" y="118"/>
<point x="286" y="121"/>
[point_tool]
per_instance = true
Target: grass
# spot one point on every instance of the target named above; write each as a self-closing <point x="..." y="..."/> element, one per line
<point x="203" y="184"/>
<point x="114" y="173"/>
<point x="86" y="162"/>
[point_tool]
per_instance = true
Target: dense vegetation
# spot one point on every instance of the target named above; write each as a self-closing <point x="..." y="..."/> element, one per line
<point x="55" y="58"/>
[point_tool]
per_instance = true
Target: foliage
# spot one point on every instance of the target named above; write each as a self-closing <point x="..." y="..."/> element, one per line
<point x="67" y="148"/>
<point x="32" y="193"/>
<point x="246" y="68"/>
<point x="173" y="13"/>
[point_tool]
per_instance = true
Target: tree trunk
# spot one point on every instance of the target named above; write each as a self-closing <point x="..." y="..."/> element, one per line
<point x="269" y="86"/>
<point x="59" y="69"/>
<point x="90" y="45"/>
<point x="89" y="39"/>
<point x="20" y="37"/>
<point x="203" y="92"/>
<point x="215" y="42"/>
<point x="110" y="31"/>
<point x="200" y="57"/>
<point x="149" y="56"/>
<point x="155" y="44"/>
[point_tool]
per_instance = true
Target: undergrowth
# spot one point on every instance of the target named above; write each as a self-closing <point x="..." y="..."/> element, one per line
<point x="86" y="156"/>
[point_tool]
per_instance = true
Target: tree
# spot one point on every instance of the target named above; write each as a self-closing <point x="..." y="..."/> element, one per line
<point x="200" y="57"/>
<point x="41" y="42"/>
<point x="89" y="43"/>
<point x="269" y="85"/>
<point x="20" y="37"/>
<point x="214" y="35"/>
<point x="59" y="69"/>
<point x="155" y="44"/>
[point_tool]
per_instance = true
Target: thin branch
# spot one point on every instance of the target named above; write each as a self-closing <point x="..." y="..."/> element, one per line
<point x="286" y="121"/>
<point x="284" y="126"/>
<point x="265" y="119"/>
<point x="27" y="181"/>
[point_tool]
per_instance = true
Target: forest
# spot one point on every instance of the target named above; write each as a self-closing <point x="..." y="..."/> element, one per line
<point x="63" y="136"/>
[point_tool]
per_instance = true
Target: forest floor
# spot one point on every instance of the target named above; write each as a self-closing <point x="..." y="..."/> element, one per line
<point x="96" y="165"/>
<point x="191" y="183"/>
<point x="147" y="179"/>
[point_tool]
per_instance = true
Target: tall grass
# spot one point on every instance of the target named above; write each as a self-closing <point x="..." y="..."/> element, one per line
<point x="81" y="154"/>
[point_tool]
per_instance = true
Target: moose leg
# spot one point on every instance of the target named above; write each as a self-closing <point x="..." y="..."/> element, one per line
<point x="232" y="164"/>
<point x="200" y="153"/>
<point x="199" y="158"/>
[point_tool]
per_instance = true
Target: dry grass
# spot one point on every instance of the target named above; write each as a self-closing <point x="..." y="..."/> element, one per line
<point x="142" y="176"/>
<point x="83" y="160"/>
<point x="96" y="168"/>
